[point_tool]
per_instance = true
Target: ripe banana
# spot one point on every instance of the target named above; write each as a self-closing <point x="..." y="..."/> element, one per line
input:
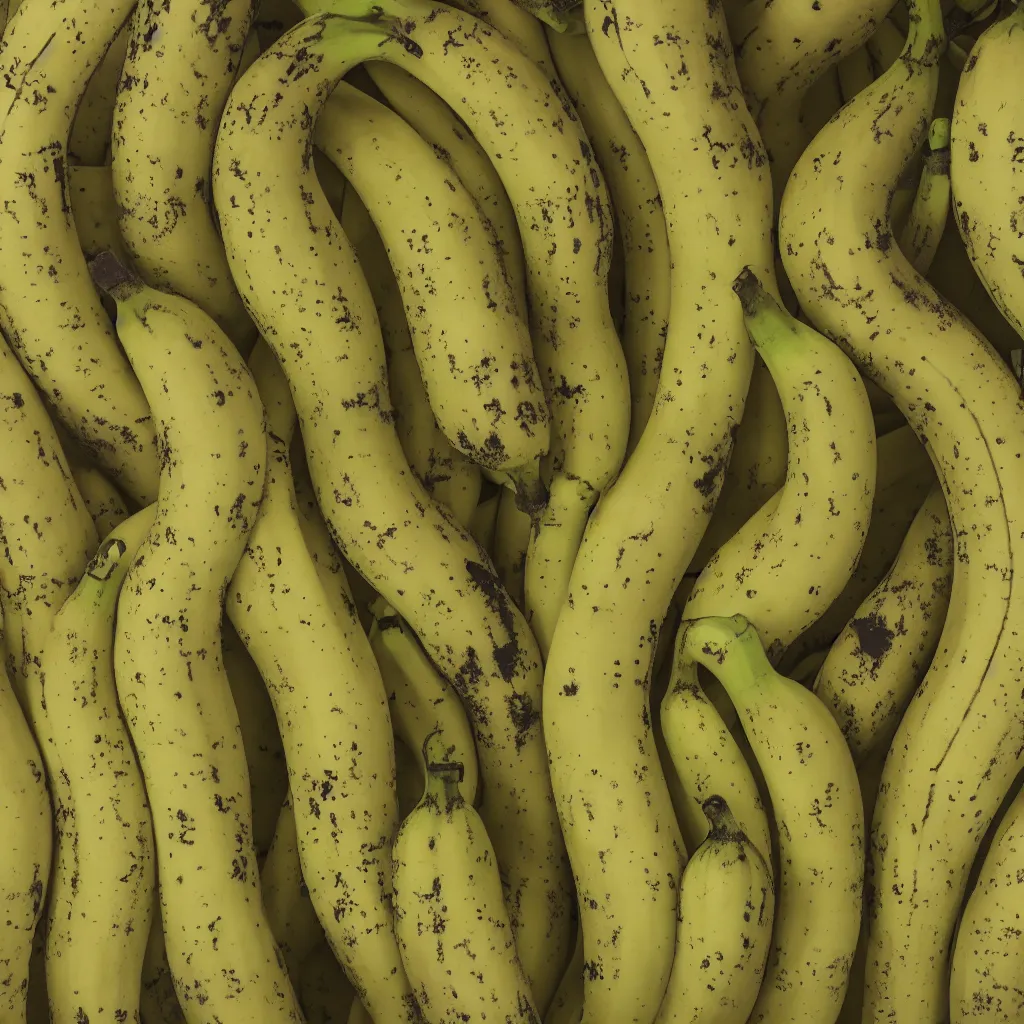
<point x="639" y="218"/>
<point x="511" y="541"/>
<point x="956" y="748"/>
<point x="333" y="714"/>
<point x="49" y="310"/>
<point x="102" y="499"/>
<point x="707" y="761"/>
<point x="180" y="67"/>
<point x="473" y="351"/>
<point x="168" y="666"/>
<point x="457" y="941"/>
<point x="325" y="991"/>
<point x="817" y="807"/>
<point x="158" y="1001"/>
<point x="726" y="910"/>
<point x="880" y="658"/>
<point x="919" y="238"/>
<point x="987" y="977"/>
<point x="94" y="208"/>
<point x="103" y="889"/>
<point x="567" y="1005"/>
<point x="425" y="565"/>
<point x="987" y="164"/>
<point x="886" y="45"/>
<point x="790" y="560"/>
<point x="856" y="72"/>
<point x="89" y="142"/>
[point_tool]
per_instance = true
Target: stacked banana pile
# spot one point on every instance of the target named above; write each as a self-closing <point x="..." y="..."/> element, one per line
<point x="510" y="513"/>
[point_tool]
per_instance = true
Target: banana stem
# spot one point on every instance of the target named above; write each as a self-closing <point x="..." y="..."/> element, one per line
<point x="443" y="776"/>
<point x="111" y="276"/>
<point x="926" y="37"/>
<point x="728" y="647"/>
<point x="722" y="822"/>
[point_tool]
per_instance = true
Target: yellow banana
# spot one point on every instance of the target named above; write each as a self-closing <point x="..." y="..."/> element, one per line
<point x="89" y="142"/>
<point x="856" y="72"/>
<point x="457" y="942"/>
<point x="789" y="561"/>
<point x="919" y="238"/>
<point x="955" y="751"/>
<point x="567" y="1005"/>
<point x="94" y="209"/>
<point x="885" y="45"/>
<point x="473" y="351"/>
<point x="333" y="714"/>
<point x="422" y="562"/>
<point x="180" y="67"/>
<point x="103" y="890"/>
<point x="158" y="1001"/>
<point x="816" y="802"/>
<point x="880" y="658"/>
<point x="169" y="670"/>
<point x="49" y="309"/>
<point x="511" y="541"/>
<point x="325" y="991"/>
<point x="726" y="910"/>
<point x="639" y="218"/>
<point x="987" y="164"/>
<point x="101" y="497"/>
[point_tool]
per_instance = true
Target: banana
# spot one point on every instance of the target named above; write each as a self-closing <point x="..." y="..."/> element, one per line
<point x="560" y="15"/>
<point x="707" y="761"/>
<point x="987" y="971"/>
<point x="446" y="473"/>
<point x="726" y="910"/>
<point x="639" y="218"/>
<point x="94" y="208"/>
<point x="424" y="564"/>
<point x="987" y="164"/>
<point x="956" y="747"/>
<point x="103" y="889"/>
<point x="89" y="142"/>
<point x="168" y="665"/>
<point x="438" y="123"/>
<point x="919" y="238"/>
<point x="101" y="497"/>
<point x="790" y="560"/>
<point x="885" y="45"/>
<point x="511" y="540"/>
<point x="181" y="64"/>
<point x="816" y="801"/>
<point x="456" y="938"/>
<point x="158" y="1001"/>
<point x="567" y="1005"/>
<point x="49" y="309"/>
<point x="421" y="701"/>
<point x="324" y="990"/>
<point x="856" y="72"/>
<point x="879" y="659"/>
<point x="473" y="351"/>
<point x="332" y="710"/>
<point x="820" y="103"/>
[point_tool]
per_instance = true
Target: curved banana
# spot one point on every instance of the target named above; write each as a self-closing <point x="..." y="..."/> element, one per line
<point x="180" y="68"/>
<point x="987" y="164"/>
<point x="170" y="675"/>
<point x="158" y="1001"/>
<point x="101" y="497"/>
<point x="726" y="910"/>
<point x="820" y="103"/>
<point x="707" y="761"/>
<point x="885" y="45"/>
<point x="955" y="751"/>
<point x="473" y="351"/>
<point x="790" y="560"/>
<point x="422" y="562"/>
<point x="333" y="714"/>
<point x="94" y="208"/>
<point x="49" y="309"/>
<point x="856" y="72"/>
<point x="567" y="1005"/>
<point x="446" y="473"/>
<point x="438" y="123"/>
<point x="816" y="801"/>
<point x="457" y="942"/>
<point x="103" y="889"/>
<point x="919" y="238"/>
<point x="986" y="980"/>
<point x="880" y="658"/>
<point x="511" y="541"/>
<point x="639" y="218"/>
<point x="91" y="130"/>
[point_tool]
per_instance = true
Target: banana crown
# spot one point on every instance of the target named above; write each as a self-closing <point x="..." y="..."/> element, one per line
<point x="441" y="792"/>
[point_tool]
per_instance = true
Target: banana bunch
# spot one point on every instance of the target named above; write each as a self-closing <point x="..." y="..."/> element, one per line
<point x="509" y="511"/>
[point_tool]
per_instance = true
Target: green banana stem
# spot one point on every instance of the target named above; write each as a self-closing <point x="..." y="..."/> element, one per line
<point x="919" y="238"/>
<point x="769" y="325"/>
<point x="729" y="648"/>
<point x="939" y="134"/>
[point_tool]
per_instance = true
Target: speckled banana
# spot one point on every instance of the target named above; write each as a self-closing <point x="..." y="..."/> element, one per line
<point x="789" y="45"/>
<point x="880" y="658"/>
<point x="158" y="1001"/>
<point x="707" y="760"/>
<point x="987" y="165"/>
<point x="816" y="802"/>
<point x="420" y="699"/>
<point x="333" y="714"/>
<point x="89" y="142"/>
<point x="168" y="666"/>
<point x="436" y="122"/>
<point x="103" y="889"/>
<point x="856" y="72"/>
<point x="49" y="310"/>
<point x="613" y="798"/>
<point x="956" y="748"/>
<point x="180" y="68"/>
<point x="919" y="238"/>
<point x="457" y="941"/>
<point x="789" y="561"/>
<point x="417" y="558"/>
<point x="986" y="981"/>
<point x="567" y="1005"/>
<point x="473" y="350"/>
<point x="726" y="910"/>
<point x="639" y="218"/>
<point x="446" y="473"/>
<point x="94" y="208"/>
<point x="104" y="502"/>
<point x="511" y="541"/>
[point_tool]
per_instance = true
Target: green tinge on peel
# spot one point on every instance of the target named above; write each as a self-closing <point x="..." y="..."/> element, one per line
<point x="730" y="648"/>
<point x="939" y="133"/>
<point x="768" y="324"/>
